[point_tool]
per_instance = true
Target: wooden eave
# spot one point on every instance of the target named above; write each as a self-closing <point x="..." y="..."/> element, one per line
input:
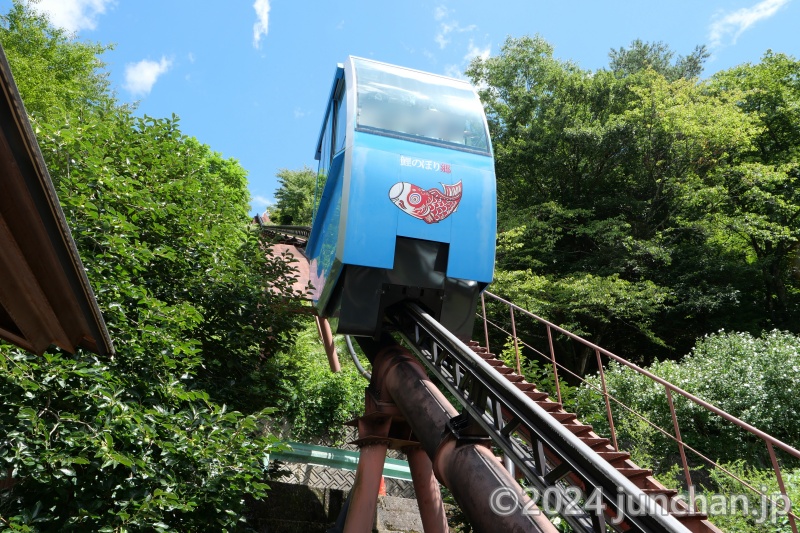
<point x="45" y="296"/>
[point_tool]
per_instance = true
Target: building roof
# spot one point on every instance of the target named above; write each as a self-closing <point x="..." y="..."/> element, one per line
<point x="45" y="297"/>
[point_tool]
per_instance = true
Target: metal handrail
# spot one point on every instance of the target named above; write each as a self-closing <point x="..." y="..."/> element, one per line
<point x="744" y="425"/>
<point x="310" y="454"/>
<point x="486" y="396"/>
<point x="294" y="231"/>
<point x="770" y="441"/>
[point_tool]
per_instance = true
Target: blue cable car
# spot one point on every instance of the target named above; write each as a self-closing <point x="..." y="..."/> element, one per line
<point x="406" y="199"/>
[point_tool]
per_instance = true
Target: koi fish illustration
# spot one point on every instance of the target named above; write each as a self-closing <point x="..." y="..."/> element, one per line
<point x="431" y="206"/>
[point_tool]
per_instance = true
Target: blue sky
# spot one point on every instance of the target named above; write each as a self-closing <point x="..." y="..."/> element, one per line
<point x="250" y="78"/>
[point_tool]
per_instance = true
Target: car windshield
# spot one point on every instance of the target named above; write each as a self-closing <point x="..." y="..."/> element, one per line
<point x="420" y="106"/>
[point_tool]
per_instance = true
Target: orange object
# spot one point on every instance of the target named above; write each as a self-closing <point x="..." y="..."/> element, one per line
<point x="382" y="487"/>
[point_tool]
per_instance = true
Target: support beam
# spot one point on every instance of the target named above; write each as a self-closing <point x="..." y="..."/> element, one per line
<point x="429" y="496"/>
<point x="364" y="499"/>
<point x="469" y="470"/>
<point x="326" y="334"/>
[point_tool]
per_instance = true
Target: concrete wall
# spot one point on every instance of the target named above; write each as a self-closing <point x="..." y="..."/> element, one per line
<point x="292" y="508"/>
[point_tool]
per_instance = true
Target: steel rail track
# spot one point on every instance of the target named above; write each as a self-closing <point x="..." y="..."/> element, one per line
<point x="530" y="437"/>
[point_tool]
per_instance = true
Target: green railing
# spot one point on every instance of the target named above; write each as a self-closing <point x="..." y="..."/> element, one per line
<point x="336" y="458"/>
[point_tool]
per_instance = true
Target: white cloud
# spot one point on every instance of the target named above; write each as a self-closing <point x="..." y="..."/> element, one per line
<point x="261" y="203"/>
<point x="737" y="22"/>
<point x="446" y="28"/>
<point x="261" y="26"/>
<point x="299" y="112"/>
<point x="454" y="71"/>
<point x="72" y="15"/>
<point x="140" y="77"/>
<point x="474" y="51"/>
<point x="457" y="71"/>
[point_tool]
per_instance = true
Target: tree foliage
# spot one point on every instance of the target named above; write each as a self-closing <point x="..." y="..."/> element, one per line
<point x="753" y="378"/>
<point x="755" y="200"/>
<point x="644" y="208"/>
<point x="750" y="377"/>
<point x="57" y="74"/>
<point x="314" y="403"/>
<point x="640" y="205"/>
<point x="295" y="197"/>
<point x="640" y="56"/>
<point x="143" y="440"/>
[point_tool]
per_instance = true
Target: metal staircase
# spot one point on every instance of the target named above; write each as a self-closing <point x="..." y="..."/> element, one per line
<point x="577" y="473"/>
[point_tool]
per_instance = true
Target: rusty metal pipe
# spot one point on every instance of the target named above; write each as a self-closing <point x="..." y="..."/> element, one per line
<point x="326" y="334"/>
<point x="363" y="502"/>
<point x="470" y="471"/>
<point x="429" y="497"/>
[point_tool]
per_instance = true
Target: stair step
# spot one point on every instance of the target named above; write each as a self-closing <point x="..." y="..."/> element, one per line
<point x="632" y="473"/>
<point x="536" y="395"/>
<point x="691" y="517"/>
<point x="596" y="442"/>
<point x="564" y="417"/>
<point x="525" y="386"/>
<point x="579" y="429"/>
<point x="670" y="493"/>
<point x="614" y="456"/>
<point x="549" y="405"/>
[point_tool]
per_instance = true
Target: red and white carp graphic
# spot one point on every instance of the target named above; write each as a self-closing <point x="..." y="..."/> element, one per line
<point x="431" y="206"/>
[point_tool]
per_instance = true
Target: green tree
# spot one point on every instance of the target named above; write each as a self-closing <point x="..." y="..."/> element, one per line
<point x="314" y="402"/>
<point x="295" y="197"/>
<point x="182" y="212"/>
<point x="592" y="171"/>
<point x="640" y="56"/>
<point x="142" y="441"/>
<point x="771" y="92"/>
<point x="755" y="207"/>
<point x="56" y="73"/>
<point x="755" y="201"/>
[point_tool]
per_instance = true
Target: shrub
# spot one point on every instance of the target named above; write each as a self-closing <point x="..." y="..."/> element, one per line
<point x="752" y="378"/>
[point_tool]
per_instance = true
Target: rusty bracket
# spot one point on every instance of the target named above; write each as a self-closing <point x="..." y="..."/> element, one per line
<point x="466" y="431"/>
<point x="382" y="421"/>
